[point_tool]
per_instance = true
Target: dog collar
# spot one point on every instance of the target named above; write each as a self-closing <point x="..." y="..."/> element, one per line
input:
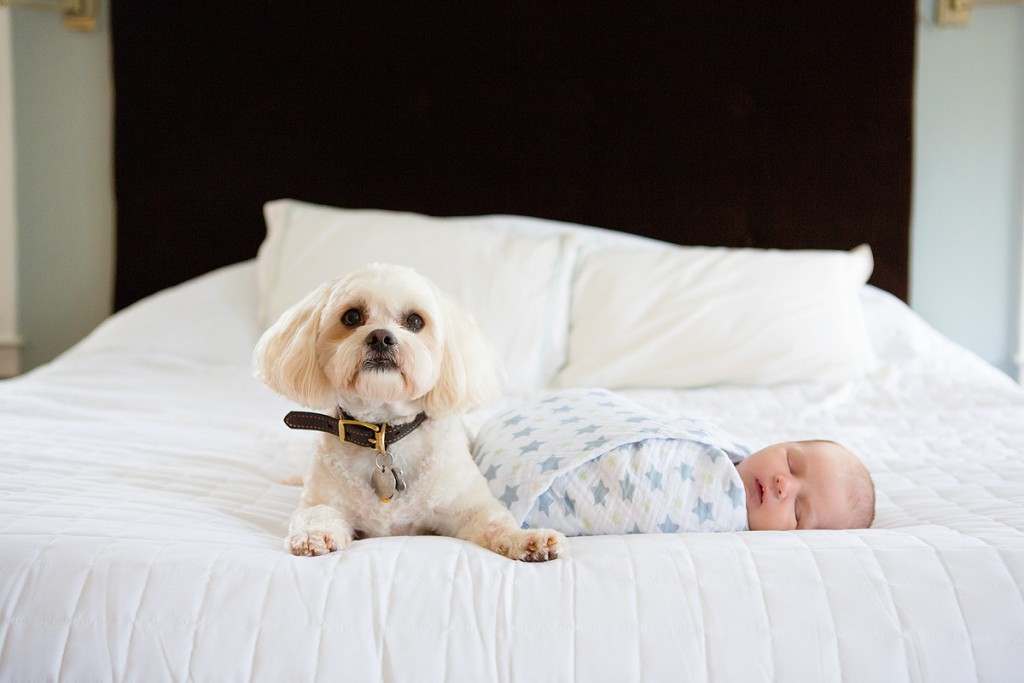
<point x="356" y="432"/>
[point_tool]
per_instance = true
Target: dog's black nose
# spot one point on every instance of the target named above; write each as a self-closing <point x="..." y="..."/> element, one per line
<point x="381" y="340"/>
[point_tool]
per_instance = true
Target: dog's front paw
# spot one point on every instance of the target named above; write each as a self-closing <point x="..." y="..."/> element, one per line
<point x="541" y="545"/>
<point x="317" y="530"/>
<point x="313" y="543"/>
<point x="530" y="545"/>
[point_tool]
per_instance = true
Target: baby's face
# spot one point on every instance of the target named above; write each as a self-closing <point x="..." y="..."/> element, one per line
<point x="798" y="485"/>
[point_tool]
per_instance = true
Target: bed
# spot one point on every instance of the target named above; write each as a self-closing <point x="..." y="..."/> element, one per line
<point x="144" y="491"/>
<point x="143" y="512"/>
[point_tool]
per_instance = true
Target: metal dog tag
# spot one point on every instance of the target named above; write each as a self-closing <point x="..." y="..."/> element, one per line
<point x="399" y="479"/>
<point x="384" y="483"/>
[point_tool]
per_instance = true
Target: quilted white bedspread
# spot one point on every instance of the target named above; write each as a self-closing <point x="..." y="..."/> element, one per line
<point x="142" y="520"/>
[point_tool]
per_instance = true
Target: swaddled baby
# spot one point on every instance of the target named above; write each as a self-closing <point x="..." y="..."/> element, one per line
<point x="588" y="461"/>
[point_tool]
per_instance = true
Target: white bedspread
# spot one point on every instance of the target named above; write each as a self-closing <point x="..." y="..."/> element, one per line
<point x="142" y="521"/>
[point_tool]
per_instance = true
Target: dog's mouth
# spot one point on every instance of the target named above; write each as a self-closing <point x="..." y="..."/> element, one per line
<point x="380" y="363"/>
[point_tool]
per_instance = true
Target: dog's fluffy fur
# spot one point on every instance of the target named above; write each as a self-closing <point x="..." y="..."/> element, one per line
<point x="326" y="352"/>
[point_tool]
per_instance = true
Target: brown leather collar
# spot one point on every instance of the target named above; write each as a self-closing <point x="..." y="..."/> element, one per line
<point x="356" y="432"/>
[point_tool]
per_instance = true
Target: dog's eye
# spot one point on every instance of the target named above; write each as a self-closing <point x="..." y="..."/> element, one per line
<point x="413" y="322"/>
<point x="352" y="317"/>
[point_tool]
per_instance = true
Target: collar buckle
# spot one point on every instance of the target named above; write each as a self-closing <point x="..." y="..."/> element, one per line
<point x="377" y="441"/>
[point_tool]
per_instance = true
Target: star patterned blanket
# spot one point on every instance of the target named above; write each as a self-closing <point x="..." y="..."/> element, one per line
<point x="588" y="462"/>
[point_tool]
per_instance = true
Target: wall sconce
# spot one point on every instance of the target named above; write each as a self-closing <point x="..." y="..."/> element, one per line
<point x="79" y="15"/>
<point x="958" y="12"/>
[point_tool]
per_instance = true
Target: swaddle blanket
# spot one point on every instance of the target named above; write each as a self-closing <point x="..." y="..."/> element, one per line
<point x="587" y="461"/>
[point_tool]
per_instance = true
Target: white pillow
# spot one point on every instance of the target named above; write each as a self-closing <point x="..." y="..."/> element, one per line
<point x="511" y="273"/>
<point x="697" y="316"/>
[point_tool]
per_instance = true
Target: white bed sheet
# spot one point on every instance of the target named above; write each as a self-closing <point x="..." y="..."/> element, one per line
<point x="141" y="526"/>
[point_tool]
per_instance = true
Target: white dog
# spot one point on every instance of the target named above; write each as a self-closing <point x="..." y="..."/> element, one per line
<point x="395" y="363"/>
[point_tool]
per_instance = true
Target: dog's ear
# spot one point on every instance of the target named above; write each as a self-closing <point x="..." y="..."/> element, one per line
<point x="285" y="357"/>
<point x="470" y="373"/>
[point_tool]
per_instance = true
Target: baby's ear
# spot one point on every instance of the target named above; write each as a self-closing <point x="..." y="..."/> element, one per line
<point x="285" y="357"/>
<point x="470" y="373"/>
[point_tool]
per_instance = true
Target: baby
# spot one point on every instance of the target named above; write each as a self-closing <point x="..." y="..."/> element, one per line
<point x="807" y="485"/>
<point x="587" y="461"/>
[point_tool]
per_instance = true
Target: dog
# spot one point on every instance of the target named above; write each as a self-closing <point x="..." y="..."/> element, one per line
<point x="395" y="364"/>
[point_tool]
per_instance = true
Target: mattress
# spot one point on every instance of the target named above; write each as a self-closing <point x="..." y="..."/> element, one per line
<point x="142" y="512"/>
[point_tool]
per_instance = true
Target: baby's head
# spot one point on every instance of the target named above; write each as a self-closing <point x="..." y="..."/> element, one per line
<point x="807" y="485"/>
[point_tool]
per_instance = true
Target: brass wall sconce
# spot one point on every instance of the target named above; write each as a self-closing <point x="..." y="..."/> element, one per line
<point x="79" y="15"/>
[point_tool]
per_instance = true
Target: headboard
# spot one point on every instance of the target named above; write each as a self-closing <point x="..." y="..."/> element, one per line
<point x="729" y="123"/>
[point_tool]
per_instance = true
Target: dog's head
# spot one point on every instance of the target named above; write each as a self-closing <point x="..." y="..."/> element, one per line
<point x="382" y="334"/>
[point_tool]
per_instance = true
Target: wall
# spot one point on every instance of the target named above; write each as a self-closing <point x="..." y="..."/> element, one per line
<point x="9" y="341"/>
<point x="63" y="96"/>
<point x="967" y="223"/>
<point x="966" y="243"/>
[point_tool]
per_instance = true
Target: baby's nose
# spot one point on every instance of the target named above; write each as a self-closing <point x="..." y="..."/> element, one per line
<point x="781" y="486"/>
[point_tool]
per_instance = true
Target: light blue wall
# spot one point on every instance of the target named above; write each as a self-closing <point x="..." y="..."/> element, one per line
<point x="63" y="97"/>
<point x="968" y="193"/>
<point x="966" y="217"/>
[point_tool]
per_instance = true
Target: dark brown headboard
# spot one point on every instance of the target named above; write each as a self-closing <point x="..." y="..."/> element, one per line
<point x="731" y="122"/>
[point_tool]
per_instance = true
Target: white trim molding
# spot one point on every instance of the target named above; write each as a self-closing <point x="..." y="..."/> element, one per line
<point x="1018" y="359"/>
<point x="10" y="360"/>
